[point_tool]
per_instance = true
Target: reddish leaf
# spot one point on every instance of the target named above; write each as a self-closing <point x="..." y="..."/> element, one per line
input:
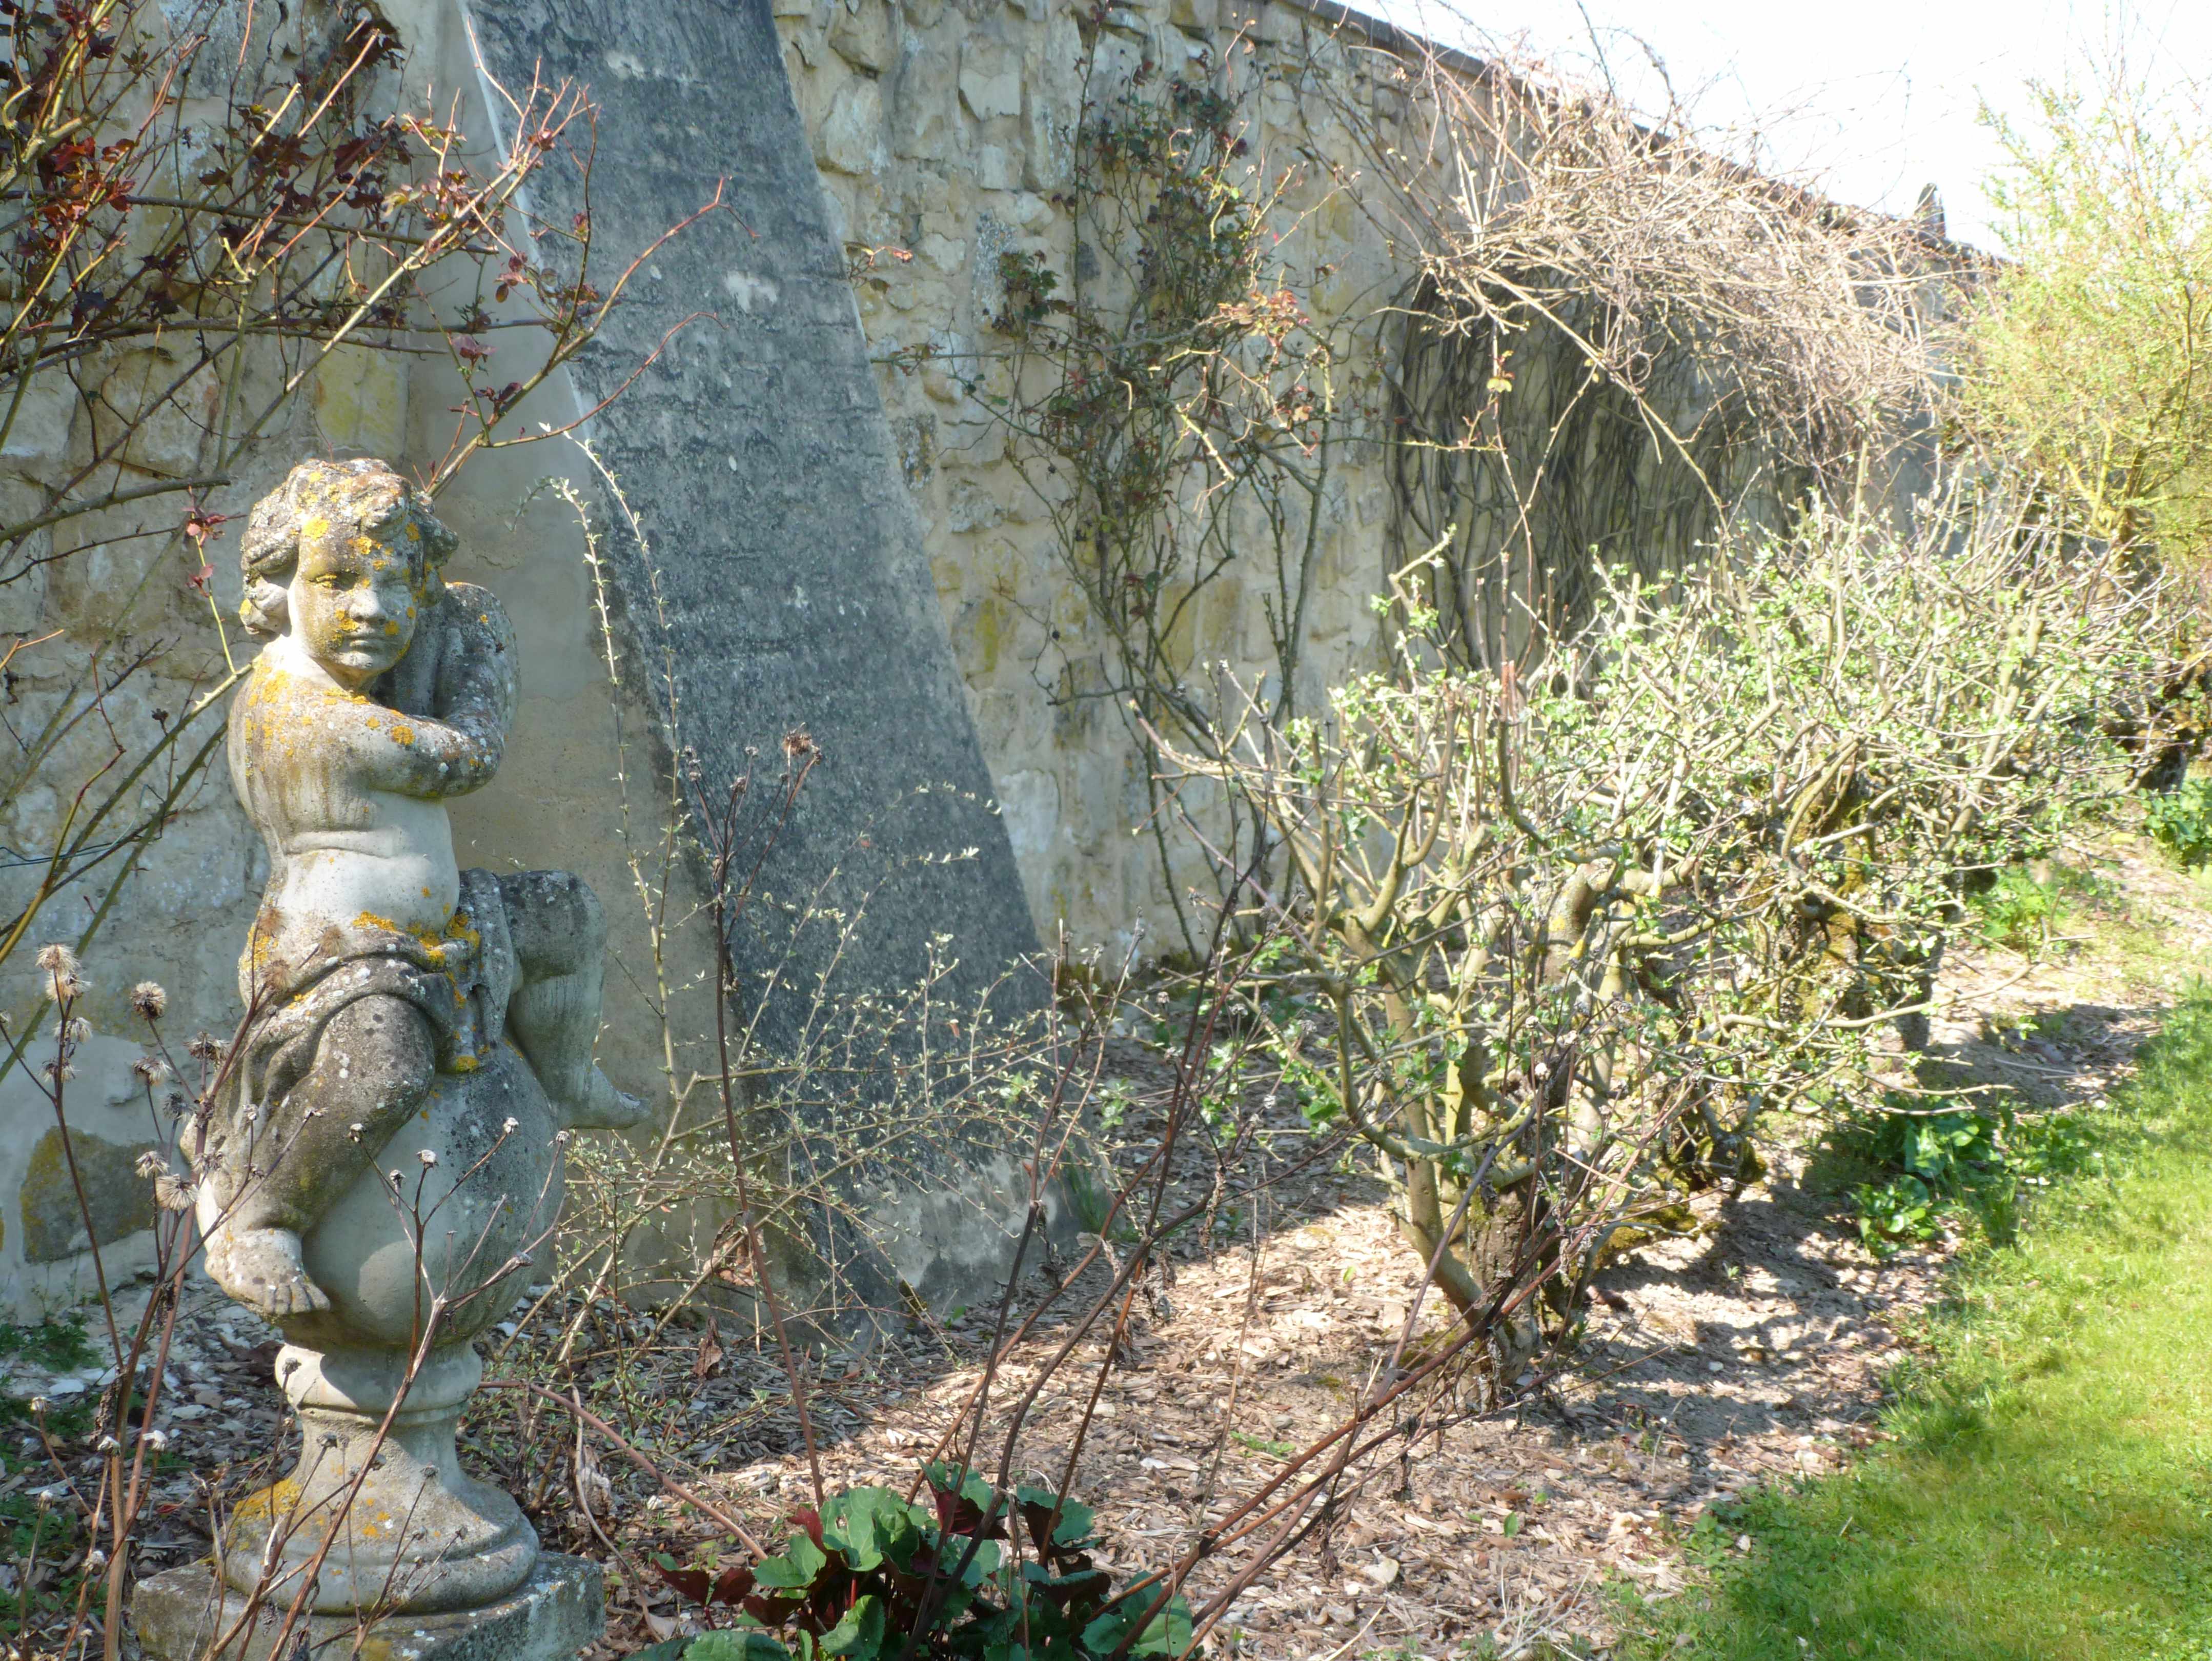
<point x="691" y="1584"/>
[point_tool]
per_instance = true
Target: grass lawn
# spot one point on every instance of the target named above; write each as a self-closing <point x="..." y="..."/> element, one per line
<point x="2048" y="1495"/>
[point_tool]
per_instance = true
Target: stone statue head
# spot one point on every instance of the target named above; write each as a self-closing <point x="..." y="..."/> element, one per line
<point x="342" y="556"/>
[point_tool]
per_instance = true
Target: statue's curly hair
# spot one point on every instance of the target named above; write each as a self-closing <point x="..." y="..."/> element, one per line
<point x="367" y="495"/>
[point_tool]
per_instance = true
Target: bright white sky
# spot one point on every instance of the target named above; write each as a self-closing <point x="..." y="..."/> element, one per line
<point x="1869" y="100"/>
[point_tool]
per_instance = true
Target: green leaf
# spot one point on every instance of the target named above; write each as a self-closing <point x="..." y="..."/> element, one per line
<point x="1166" y="1633"/>
<point x="671" y="1650"/>
<point x="1082" y="1587"/>
<point x="1072" y="1531"/>
<point x="795" y="1570"/>
<point x="949" y="1478"/>
<point x="869" y="1524"/>
<point x="986" y="1564"/>
<point x="732" y="1644"/>
<point x="859" y="1635"/>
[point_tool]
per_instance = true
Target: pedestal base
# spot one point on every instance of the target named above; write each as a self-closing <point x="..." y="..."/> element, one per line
<point x="551" y="1617"/>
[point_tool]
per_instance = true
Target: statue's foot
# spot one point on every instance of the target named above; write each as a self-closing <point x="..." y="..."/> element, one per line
<point x="261" y="1268"/>
<point x="602" y="1107"/>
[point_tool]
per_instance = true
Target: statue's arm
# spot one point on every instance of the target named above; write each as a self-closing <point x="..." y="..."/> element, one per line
<point x="453" y="701"/>
<point x="416" y="756"/>
<point x="474" y="689"/>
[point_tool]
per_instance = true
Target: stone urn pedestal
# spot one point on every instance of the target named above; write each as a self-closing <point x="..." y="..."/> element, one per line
<point x="377" y="1524"/>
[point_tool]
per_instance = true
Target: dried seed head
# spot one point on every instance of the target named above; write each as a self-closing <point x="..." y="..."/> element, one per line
<point x="57" y="960"/>
<point x="427" y="1158"/>
<point x="149" y="1000"/>
<point x="150" y="1070"/>
<point x="75" y="1029"/>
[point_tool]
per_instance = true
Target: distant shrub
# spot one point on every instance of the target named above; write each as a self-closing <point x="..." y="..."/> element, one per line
<point x="2181" y="822"/>
<point x="1941" y="1164"/>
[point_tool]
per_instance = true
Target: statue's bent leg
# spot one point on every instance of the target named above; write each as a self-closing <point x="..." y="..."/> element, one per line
<point x="560" y="937"/>
<point x="374" y="1063"/>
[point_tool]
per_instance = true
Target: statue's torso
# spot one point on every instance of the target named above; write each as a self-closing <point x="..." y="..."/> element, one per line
<point x="340" y="849"/>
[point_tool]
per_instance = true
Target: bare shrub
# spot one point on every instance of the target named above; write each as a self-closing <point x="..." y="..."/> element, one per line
<point x="1552" y="943"/>
<point x="1620" y="343"/>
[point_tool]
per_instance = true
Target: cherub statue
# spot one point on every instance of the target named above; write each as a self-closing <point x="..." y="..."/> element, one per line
<point x="375" y="963"/>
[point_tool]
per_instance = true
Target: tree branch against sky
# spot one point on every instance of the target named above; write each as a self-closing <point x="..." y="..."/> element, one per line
<point x="1876" y="100"/>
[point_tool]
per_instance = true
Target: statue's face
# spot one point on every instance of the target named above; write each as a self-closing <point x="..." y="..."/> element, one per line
<point x="354" y="598"/>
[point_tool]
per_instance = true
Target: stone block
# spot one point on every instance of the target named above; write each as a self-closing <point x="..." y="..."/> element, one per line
<point x="949" y="368"/>
<point x="22" y="566"/>
<point x="974" y="437"/>
<point x="970" y="507"/>
<point x="170" y="417"/>
<point x="941" y="252"/>
<point x="359" y="399"/>
<point x="1052" y="106"/>
<point x="995" y="168"/>
<point x="1274" y="23"/>
<point x="559" y="1610"/>
<point x="993" y="238"/>
<point x="116" y="1197"/>
<point x="851" y="138"/>
<point x="1029" y="800"/>
<point x="923" y="98"/>
<point x="916" y="436"/>
<point x="105" y="581"/>
<point x="992" y="625"/>
<point x="990" y="78"/>
<point x="37" y="440"/>
<point x="862" y="34"/>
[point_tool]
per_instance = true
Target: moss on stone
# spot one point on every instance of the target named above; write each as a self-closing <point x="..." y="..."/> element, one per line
<point x="119" y="1201"/>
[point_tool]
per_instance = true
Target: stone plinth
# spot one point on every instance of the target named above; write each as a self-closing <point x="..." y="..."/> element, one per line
<point x="555" y="1614"/>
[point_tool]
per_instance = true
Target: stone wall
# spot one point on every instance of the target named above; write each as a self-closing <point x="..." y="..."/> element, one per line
<point x="945" y="132"/>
